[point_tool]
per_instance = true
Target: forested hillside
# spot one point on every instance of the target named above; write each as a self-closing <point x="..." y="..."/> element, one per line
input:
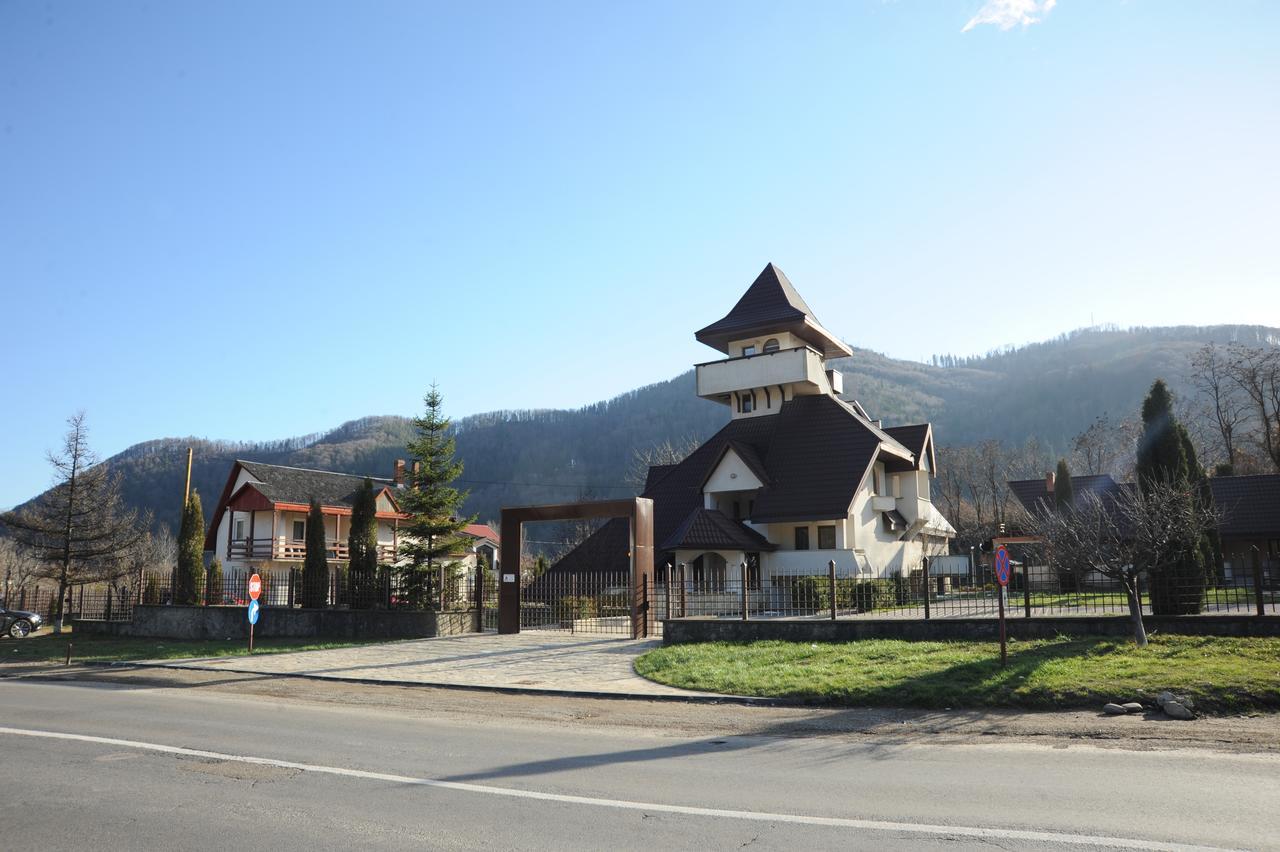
<point x="1051" y="391"/>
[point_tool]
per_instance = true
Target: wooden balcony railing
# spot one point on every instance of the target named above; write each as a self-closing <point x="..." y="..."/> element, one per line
<point x="296" y="550"/>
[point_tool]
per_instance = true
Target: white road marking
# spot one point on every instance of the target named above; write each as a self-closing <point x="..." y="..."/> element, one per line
<point x="624" y="804"/>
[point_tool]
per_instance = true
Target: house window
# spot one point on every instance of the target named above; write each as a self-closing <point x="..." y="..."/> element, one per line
<point x="748" y="402"/>
<point x="827" y="538"/>
<point x="299" y="530"/>
<point x="802" y="538"/>
<point x="748" y="351"/>
<point x="771" y="345"/>
<point x="240" y="530"/>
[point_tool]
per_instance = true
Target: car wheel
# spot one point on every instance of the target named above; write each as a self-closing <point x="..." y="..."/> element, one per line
<point x="20" y="629"/>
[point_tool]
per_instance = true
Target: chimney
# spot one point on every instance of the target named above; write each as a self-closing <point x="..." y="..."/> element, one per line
<point x="398" y="473"/>
<point x="1048" y="482"/>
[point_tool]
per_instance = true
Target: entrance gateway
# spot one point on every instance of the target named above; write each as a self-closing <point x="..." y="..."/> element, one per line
<point x="639" y="513"/>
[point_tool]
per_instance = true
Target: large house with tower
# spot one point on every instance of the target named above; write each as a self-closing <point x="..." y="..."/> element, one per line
<point x="800" y="476"/>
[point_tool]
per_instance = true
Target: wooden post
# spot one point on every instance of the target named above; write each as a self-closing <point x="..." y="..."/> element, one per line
<point x="1257" y="582"/>
<point x="231" y="522"/>
<point x="744" y="590"/>
<point x="275" y="515"/>
<point x="831" y="586"/>
<point x="253" y="516"/>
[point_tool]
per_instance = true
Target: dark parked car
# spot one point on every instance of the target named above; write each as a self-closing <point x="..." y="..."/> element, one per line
<point x="18" y="623"/>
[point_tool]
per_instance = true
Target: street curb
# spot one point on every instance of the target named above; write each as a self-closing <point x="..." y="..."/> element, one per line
<point x="467" y="687"/>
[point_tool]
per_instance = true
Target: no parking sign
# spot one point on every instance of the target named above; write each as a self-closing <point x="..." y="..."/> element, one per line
<point x="1002" y="565"/>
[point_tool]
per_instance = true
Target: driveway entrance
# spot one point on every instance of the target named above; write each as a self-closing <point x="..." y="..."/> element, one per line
<point x="537" y="660"/>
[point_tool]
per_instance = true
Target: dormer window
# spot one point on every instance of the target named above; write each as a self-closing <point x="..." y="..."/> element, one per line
<point x="748" y="351"/>
<point x="771" y="345"/>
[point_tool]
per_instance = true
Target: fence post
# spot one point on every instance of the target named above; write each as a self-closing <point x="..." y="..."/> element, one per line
<point x="831" y="585"/>
<point x="671" y="568"/>
<point x="744" y="590"/>
<point x="925" y="578"/>
<point x="683" y="604"/>
<point x="573" y="602"/>
<point x="1257" y="582"/>
<point x="1026" y="585"/>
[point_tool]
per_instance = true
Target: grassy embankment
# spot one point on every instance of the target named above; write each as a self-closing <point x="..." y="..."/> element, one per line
<point x="45" y="647"/>
<point x="1220" y="674"/>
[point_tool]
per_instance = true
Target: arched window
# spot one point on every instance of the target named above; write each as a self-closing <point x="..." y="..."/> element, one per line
<point x="771" y="345"/>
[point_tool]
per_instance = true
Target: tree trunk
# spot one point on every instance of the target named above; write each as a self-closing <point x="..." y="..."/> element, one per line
<point x="1135" y="611"/>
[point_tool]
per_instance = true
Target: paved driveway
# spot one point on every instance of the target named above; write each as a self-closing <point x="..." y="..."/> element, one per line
<point x="531" y="660"/>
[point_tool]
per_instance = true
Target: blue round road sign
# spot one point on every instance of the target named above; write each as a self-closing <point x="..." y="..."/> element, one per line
<point x="1002" y="566"/>
<point x="253" y="612"/>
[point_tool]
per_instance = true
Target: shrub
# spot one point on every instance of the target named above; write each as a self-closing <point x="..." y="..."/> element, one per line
<point x="213" y="584"/>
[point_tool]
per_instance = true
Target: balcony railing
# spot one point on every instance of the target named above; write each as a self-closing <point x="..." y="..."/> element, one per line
<point x="296" y="550"/>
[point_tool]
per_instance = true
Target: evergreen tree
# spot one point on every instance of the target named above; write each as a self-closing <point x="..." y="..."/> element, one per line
<point x="1063" y="493"/>
<point x="188" y="579"/>
<point x="362" y="547"/>
<point x="315" y="565"/>
<point x="1167" y="457"/>
<point x="432" y="533"/>
<point x="213" y="584"/>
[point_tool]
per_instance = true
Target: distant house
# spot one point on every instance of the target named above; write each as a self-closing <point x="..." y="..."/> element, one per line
<point x="260" y="520"/>
<point x="798" y="477"/>
<point x="1250" y="508"/>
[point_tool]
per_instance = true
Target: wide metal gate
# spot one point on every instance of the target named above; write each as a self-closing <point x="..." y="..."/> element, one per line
<point x="593" y="603"/>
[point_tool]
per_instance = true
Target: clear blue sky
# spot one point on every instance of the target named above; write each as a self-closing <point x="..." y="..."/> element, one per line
<point x="252" y="220"/>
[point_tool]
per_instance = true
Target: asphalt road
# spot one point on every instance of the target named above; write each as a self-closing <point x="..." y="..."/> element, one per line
<point x="108" y="767"/>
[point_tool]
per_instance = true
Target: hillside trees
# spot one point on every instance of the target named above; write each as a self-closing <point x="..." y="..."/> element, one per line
<point x="362" y="548"/>
<point x="188" y="576"/>
<point x="80" y="530"/>
<point x="433" y="531"/>
<point x="315" y="564"/>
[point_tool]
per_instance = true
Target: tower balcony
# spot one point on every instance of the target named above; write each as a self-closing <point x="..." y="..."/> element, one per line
<point x="803" y="368"/>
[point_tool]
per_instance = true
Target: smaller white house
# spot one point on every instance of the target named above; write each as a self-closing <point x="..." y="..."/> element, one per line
<point x="260" y="520"/>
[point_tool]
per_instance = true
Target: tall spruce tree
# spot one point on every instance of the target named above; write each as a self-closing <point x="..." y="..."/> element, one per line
<point x="432" y="534"/>
<point x="188" y="579"/>
<point x="315" y="565"/>
<point x="1166" y="456"/>
<point x="362" y="547"/>
<point x="1063" y="491"/>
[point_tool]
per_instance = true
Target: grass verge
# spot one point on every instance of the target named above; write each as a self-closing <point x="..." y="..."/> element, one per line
<point x="1221" y="674"/>
<point x="49" y="648"/>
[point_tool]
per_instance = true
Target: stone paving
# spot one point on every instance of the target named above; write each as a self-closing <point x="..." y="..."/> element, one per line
<point x="541" y="660"/>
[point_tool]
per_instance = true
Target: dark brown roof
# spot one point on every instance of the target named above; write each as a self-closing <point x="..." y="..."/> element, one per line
<point x="749" y="457"/>
<point x="771" y="304"/>
<point x="710" y="529"/>
<point x="813" y="453"/>
<point x="914" y="439"/>
<point x="656" y="472"/>
<point x="1032" y="493"/>
<point x="281" y="484"/>
<point x="1250" y="505"/>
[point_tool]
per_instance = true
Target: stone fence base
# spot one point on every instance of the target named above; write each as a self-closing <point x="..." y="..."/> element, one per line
<point x="679" y="631"/>
<point x="231" y="622"/>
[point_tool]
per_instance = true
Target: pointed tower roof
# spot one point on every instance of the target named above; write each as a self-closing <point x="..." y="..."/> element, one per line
<point x="771" y="304"/>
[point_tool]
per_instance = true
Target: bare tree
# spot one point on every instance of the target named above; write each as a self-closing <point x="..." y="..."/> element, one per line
<point x="1257" y="373"/>
<point x="1225" y="406"/>
<point x="79" y="530"/>
<point x="668" y="452"/>
<point x="18" y="567"/>
<point x="1126" y="534"/>
<point x="1106" y="447"/>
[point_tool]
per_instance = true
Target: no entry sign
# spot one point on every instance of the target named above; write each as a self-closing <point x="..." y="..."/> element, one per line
<point x="255" y="587"/>
<point x="1002" y="566"/>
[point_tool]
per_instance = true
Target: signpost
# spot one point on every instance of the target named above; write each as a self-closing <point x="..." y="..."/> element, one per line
<point x="255" y="589"/>
<point x="1002" y="577"/>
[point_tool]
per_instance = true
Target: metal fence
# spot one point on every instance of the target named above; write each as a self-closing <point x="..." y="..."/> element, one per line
<point x="921" y="593"/>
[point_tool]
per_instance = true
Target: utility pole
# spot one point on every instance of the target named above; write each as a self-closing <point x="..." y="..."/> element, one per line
<point x="186" y="494"/>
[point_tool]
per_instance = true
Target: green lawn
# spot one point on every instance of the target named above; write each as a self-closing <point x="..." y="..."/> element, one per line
<point x="45" y="647"/>
<point x="1221" y="674"/>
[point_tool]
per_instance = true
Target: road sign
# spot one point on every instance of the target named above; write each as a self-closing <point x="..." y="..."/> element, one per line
<point x="1002" y="566"/>
<point x="255" y="587"/>
<point x="254" y="608"/>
